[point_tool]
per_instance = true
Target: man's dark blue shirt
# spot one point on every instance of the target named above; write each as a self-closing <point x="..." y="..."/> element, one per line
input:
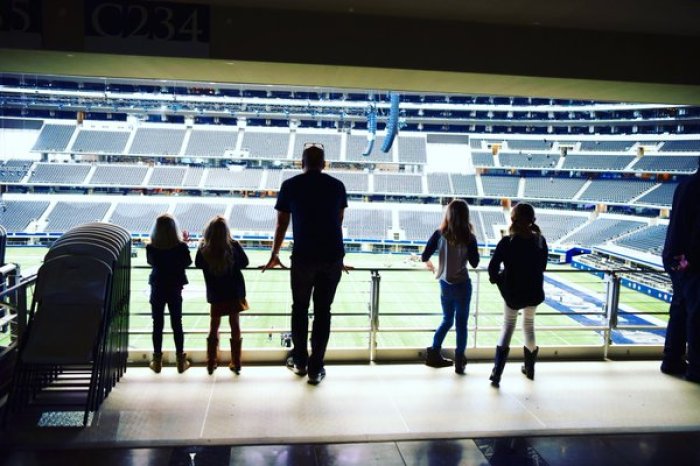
<point x="315" y="201"/>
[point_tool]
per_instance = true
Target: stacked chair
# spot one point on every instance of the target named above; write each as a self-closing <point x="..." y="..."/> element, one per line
<point x="75" y="347"/>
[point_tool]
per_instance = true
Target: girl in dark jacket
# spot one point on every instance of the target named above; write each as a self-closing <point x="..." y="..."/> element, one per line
<point x="523" y="254"/>
<point x="221" y="258"/>
<point x="456" y="245"/>
<point x="169" y="256"/>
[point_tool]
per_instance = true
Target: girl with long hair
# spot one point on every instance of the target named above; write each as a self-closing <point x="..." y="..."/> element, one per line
<point x="523" y="254"/>
<point x="221" y="259"/>
<point x="169" y="256"/>
<point x="456" y="243"/>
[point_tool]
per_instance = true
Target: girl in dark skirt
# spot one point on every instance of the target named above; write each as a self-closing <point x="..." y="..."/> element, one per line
<point x="221" y="258"/>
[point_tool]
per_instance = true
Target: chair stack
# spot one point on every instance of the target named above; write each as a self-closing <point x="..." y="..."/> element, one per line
<point x="75" y="347"/>
<point x="3" y="243"/>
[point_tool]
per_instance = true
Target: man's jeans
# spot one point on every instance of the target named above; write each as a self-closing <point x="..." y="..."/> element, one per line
<point x="455" y="309"/>
<point x="319" y="280"/>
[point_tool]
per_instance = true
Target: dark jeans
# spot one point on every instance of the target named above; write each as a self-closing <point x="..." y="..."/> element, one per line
<point x="455" y="309"/>
<point x="321" y="281"/>
<point x="691" y="295"/>
<point x="173" y="298"/>
<point x="674" y="347"/>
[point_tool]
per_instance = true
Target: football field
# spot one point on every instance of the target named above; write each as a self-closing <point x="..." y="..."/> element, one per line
<point x="409" y="306"/>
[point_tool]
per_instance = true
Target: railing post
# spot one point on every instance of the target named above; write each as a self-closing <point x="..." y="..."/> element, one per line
<point x="475" y="292"/>
<point x="612" y="302"/>
<point x="374" y="314"/>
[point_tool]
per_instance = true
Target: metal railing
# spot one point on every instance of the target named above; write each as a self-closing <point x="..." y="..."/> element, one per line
<point x="382" y="314"/>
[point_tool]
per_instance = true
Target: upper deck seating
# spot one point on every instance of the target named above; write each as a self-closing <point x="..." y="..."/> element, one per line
<point x="412" y="149"/>
<point x="618" y="191"/>
<point x="157" y="141"/>
<point x="60" y="173"/>
<point x="482" y="159"/>
<point x="464" y="185"/>
<point x="596" y="162"/>
<point x="500" y="186"/>
<point x="650" y="239"/>
<point x="606" y="146"/>
<point x="369" y="224"/>
<point x="355" y="182"/>
<point x="666" y="163"/>
<point x="137" y="218"/>
<point x="510" y="159"/>
<point x="211" y="143"/>
<point x="265" y="145"/>
<point x="356" y="145"/>
<point x="193" y="177"/>
<point x="14" y="170"/>
<point x="663" y="195"/>
<point x="397" y="184"/>
<point x="552" y="188"/>
<point x="194" y="216"/>
<point x="330" y="142"/>
<point x="253" y="219"/>
<point x="529" y="144"/>
<point x="681" y="146"/>
<point x="119" y="175"/>
<point x="99" y="141"/>
<point x="17" y="215"/>
<point x="167" y="176"/>
<point x="439" y="183"/>
<point x="66" y="215"/>
<point x="602" y="230"/>
<point x="54" y="138"/>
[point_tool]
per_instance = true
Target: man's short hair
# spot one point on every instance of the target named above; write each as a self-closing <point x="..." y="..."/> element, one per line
<point x="313" y="158"/>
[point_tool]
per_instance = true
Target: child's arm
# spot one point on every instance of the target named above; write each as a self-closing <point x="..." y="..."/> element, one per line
<point x="239" y="256"/>
<point x="473" y="252"/>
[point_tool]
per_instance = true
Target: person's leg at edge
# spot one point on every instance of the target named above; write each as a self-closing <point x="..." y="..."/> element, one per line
<point x="530" y="349"/>
<point x="433" y="355"/>
<point x="462" y="301"/>
<point x="448" y="302"/>
<point x="326" y="282"/>
<point x="510" y="317"/>
<point x="236" y="341"/>
<point x="676" y="333"/>
<point x="213" y="340"/>
<point x="158" y="316"/>
<point x="175" y="309"/>
<point x="691" y="293"/>
<point x="301" y="280"/>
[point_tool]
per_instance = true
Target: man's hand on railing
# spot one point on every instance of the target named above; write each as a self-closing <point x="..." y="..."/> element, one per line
<point x="348" y="268"/>
<point x="272" y="263"/>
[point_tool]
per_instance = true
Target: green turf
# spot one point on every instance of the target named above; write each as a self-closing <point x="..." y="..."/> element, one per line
<point x="403" y="295"/>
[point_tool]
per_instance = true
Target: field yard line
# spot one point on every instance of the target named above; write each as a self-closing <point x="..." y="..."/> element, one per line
<point x="206" y="411"/>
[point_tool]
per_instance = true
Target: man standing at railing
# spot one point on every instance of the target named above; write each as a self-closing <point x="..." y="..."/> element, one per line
<point x="316" y="203"/>
<point x="681" y="258"/>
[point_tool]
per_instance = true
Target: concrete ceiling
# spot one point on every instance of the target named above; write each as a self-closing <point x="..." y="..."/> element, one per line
<point x="672" y="17"/>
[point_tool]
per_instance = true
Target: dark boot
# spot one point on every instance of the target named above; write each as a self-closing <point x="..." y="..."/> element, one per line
<point x="498" y="364"/>
<point x="156" y="363"/>
<point x="212" y="346"/>
<point x="182" y="362"/>
<point x="529" y="367"/>
<point x="460" y="363"/>
<point x="235" y="364"/>
<point x="433" y="358"/>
